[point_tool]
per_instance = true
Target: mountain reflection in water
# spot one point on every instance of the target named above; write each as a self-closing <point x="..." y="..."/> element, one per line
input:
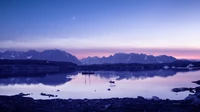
<point x="51" y="80"/>
<point x="59" y="79"/>
<point x="127" y="84"/>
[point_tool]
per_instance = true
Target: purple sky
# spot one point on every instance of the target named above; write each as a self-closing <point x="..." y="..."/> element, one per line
<point x="102" y="27"/>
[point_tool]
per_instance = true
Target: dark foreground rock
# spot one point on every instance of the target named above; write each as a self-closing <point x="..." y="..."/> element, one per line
<point x="24" y="104"/>
<point x="49" y="95"/>
<point x="197" y="82"/>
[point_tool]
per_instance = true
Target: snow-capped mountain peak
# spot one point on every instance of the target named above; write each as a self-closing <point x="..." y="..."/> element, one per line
<point x="51" y="55"/>
<point x="128" y="58"/>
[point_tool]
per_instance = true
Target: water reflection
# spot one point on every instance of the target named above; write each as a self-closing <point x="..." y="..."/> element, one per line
<point x="48" y="79"/>
<point x="139" y="74"/>
<point x="135" y="75"/>
<point x="127" y="84"/>
<point x="59" y="79"/>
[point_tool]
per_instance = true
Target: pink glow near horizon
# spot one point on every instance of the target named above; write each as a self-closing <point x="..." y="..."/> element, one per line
<point x="80" y="56"/>
<point x="177" y="53"/>
<point x="83" y="53"/>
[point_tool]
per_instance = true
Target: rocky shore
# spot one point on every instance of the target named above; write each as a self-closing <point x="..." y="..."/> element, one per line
<point x="35" y="68"/>
<point x="194" y="98"/>
<point x="26" y="104"/>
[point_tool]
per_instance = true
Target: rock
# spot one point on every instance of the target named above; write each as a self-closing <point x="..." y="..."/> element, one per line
<point x="49" y="95"/>
<point x="85" y="100"/>
<point x="140" y="98"/>
<point x="166" y="67"/>
<point x="57" y="90"/>
<point x="112" y="82"/>
<point x="197" y="89"/>
<point x="197" y="82"/>
<point x="108" y="89"/>
<point x="190" y="97"/>
<point x="183" y="89"/>
<point x="107" y="106"/>
<point x="155" y="98"/>
<point x="194" y="98"/>
<point x="167" y="99"/>
<point x="22" y="94"/>
<point x="25" y="104"/>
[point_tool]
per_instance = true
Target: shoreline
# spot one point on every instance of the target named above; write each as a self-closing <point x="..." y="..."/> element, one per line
<point x="139" y="104"/>
<point x="38" y="68"/>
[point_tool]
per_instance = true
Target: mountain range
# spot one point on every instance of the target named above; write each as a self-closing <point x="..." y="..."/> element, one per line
<point x="58" y="55"/>
<point x="129" y="58"/>
<point x="51" y="55"/>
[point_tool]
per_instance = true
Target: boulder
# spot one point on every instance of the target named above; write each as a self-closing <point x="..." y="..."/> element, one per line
<point x="140" y="98"/>
<point x="193" y="98"/>
<point x="155" y="98"/>
<point x="197" y="82"/>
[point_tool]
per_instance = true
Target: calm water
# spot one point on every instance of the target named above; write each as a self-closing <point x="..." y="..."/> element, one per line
<point x="127" y="84"/>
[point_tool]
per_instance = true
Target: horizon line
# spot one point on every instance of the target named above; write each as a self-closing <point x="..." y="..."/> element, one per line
<point x="84" y="53"/>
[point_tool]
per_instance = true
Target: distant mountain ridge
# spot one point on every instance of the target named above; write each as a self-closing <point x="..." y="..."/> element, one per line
<point x="128" y="58"/>
<point x="58" y="55"/>
<point x="51" y="55"/>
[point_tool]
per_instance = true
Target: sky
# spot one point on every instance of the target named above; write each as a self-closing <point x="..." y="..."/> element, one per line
<point x="102" y="27"/>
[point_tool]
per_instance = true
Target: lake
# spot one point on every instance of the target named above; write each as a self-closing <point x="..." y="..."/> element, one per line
<point x="127" y="84"/>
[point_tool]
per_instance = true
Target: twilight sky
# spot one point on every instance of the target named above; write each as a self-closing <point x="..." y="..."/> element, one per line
<point x="102" y="27"/>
